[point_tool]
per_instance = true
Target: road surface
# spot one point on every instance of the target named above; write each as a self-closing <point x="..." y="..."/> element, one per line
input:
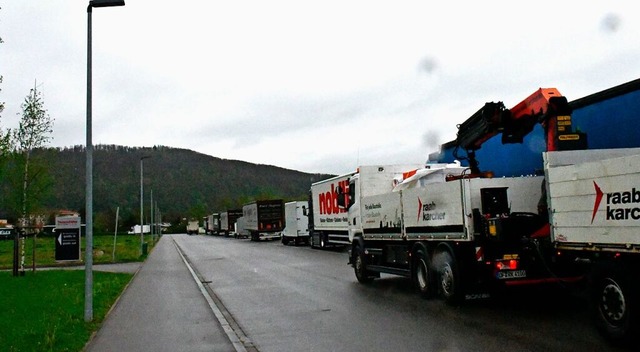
<point x="286" y="298"/>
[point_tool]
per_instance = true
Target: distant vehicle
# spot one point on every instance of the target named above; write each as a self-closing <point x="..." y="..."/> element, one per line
<point x="240" y="228"/>
<point x="212" y="224"/>
<point x="296" y="228"/>
<point x="228" y="221"/>
<point x="136" y="229"/>
<point x="264" y="219"/>
<point x="193" y="227"/>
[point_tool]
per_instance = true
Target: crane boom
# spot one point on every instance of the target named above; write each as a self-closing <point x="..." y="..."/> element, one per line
<point x="545" y="106"/>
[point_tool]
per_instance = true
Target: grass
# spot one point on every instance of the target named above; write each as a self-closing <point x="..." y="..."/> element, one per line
<point x="44" y="311"/>
<point x="127" y="250"/>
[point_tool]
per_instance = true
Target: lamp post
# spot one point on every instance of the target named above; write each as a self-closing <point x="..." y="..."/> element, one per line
<point x="141" y="205"/>
<point x="88" y="283"/>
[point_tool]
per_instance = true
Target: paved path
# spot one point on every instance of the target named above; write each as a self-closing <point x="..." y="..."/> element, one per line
<point x="162" y="309"/>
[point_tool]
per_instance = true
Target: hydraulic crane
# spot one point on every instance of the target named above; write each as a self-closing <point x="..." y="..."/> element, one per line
<point x="545" y="106"/>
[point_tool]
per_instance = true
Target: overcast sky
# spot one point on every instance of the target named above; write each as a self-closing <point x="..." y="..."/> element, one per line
<point x="314" y="86"/>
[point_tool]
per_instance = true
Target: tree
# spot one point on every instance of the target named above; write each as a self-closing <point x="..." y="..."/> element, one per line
<point x="5" y="136"/>
<point x="33" y="132"/>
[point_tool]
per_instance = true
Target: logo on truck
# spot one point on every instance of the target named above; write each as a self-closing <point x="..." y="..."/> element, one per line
<point x="429" y="211"/>
<point x="329" y="200"/>
<point x="620" y="205"/>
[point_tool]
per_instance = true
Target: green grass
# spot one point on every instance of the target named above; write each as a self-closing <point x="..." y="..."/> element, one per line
<point x="127" y="250"/>
<point x="44" y="311"/>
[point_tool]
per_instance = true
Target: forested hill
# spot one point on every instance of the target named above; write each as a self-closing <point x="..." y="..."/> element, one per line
<point x="184" y="183"/>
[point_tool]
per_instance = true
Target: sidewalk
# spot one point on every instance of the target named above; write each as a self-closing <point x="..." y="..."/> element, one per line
<point x="162" y="309"/>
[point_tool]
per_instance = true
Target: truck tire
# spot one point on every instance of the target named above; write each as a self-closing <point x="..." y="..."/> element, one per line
<point x="449" y="278"/>
<point x="285" y="240"/>
<point x="424" y="276"/>
<point x="360" y="267"/>
<point x="613" y="304"/>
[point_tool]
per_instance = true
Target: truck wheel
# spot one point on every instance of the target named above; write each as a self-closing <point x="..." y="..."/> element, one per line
<point x="450" y="287"/>
<point x="359" y="266"/>
<point x="424" y="275"/>
<point x="613" y="305"/>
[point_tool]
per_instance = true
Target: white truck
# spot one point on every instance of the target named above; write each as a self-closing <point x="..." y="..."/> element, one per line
<point x="264" y="219"/>
<point x="240" y="228"/>
<point x="212" y="224"/>
<point x="451" y="234"/>
<point x="593" y="199"/>
<point x="328" y="222"/>
<point x="296" y="227"/>
<point x="228" y="220"/>
<point x="193" y="227"/>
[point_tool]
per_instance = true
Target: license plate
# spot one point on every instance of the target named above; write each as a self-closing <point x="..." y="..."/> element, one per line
<point x="512" y="274"/>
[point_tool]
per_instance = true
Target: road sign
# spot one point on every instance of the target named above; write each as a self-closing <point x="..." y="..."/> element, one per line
<point x="67" y="238"/>
<point x="6" y="233"/>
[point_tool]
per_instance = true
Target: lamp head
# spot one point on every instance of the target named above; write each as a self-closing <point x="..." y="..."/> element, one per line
<point x="106" y="3"/>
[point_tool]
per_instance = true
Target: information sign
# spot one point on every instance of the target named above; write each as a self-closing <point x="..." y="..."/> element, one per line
<point x="67" y="238"/>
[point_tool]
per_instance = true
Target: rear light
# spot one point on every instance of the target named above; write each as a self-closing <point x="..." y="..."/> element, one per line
<point x="511" y="264"/>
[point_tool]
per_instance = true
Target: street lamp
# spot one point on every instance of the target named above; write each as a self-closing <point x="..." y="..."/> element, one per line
<point x="88" y="283"/>
<point x="141" y="205"/>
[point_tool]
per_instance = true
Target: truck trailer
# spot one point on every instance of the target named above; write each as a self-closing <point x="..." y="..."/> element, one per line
<point x="212" y="224"/>
<point x="593" y="202"/>
<point x="240" y="228"/>
<point x="327" y="221"/>
<point x="296" y="227"/>
<point x="264" y="219"/>
<point x="228" y="221"/>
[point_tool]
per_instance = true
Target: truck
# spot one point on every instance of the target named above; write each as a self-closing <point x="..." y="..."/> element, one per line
<point x="296" y="227"/>
<point x="193" y="227"/>
<point x="327" y="222"/>
<point x="228" y="220"/>
<point x="458" y="232"/>
<point x="136" y="229"/>
<point x="240" y="228"/>
<point x="264" y="219"/>
<point x="212" y="224"/>
<point x="450" y="233"/>
<point x="593" y="202"/>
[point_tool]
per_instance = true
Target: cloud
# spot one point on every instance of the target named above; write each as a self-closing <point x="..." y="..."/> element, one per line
<point x="315" y="87"/>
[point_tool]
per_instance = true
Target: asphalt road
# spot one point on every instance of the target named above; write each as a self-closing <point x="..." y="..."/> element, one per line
<point x="286" y="298"/>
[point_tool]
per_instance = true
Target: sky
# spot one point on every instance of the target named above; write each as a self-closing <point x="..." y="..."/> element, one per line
<point x="313" y="86"/>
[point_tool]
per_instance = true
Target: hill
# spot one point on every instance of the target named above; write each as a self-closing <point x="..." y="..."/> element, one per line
<point x="184" y="183"/>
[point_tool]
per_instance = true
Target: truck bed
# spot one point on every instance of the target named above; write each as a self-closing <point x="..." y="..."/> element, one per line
<point x="594" y="198"/>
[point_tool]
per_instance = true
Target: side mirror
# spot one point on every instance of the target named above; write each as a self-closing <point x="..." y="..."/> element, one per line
<point x="305" y="211"/>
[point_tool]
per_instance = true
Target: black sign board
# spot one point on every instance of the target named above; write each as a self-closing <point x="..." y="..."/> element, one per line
<point x="6" y="233"/>
<point x="67" y="238"/>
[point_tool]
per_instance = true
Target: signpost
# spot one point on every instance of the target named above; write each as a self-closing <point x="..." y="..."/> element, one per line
<point x="67" y="238"/>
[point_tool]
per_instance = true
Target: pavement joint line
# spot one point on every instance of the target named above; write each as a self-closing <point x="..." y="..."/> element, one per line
<point x="233" y="337"/>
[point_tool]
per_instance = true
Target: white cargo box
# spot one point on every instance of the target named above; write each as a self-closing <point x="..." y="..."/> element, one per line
<point x="594" y="197"/>
<point x="296" y="219"/>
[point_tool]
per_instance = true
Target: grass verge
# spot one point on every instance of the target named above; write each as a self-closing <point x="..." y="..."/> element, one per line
<point x="44" y="311"/>
<point x="127" y="249"/>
